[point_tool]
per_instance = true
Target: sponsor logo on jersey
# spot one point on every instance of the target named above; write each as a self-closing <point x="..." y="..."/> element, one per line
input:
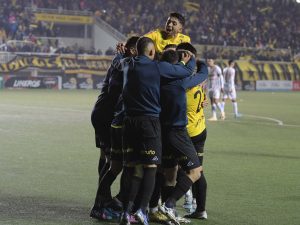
<point x="149" y="152"/>
<point x="155" y="158"/>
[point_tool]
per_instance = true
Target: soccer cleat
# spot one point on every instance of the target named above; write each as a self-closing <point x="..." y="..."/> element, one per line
<point x="170" y="213"/>
<point x="183" y="220"/>
<point x="141" y="217"/>
<point x="114" y="204"/>
<point x="197" y="215"/>
<point x="125" y="219"/>
<point x="104" y="214"/>
<point x="133" y="220"/>
<point x="158" y="217"/>
<point x="222" y="117"/>
<point x="212" y="118"/>
<point x="96" y="213"/>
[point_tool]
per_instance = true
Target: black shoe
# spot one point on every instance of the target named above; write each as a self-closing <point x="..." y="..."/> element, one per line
<point x="96" y="213"/>
<point x="114" y="204"/>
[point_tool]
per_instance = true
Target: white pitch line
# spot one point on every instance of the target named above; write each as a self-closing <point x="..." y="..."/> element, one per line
<point x="279" y="122"/>
<point x="259" y="123"/>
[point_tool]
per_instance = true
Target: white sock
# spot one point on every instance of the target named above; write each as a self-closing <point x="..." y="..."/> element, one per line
<point x="213" y="109"/>
<point x="223" y="106"/>
<point x="220" y="107"/>
<point x="235" y="108"/>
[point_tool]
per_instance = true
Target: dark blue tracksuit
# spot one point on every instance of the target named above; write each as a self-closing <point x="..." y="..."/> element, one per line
<point x="173" y="97"/>
<point x="177" y="145"/>
<point x="103" y="111"/>
<point x="142" y="76"/>
<point x="141" y="95"/>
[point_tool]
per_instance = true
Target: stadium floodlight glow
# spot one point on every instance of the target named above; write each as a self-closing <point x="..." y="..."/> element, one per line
<point x="298" y="1"/>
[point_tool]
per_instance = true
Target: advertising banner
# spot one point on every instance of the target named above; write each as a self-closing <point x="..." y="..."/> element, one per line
<point x="274" y="85"/>
<point x="69" y="64"/>
<point x="296" y="85"/>
<point x="63" y="18"/>
<point x="82" y="81"/>
<point x="36" y="82"/>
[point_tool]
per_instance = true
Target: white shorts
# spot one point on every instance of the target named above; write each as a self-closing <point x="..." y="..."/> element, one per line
<point x="229" y="93"/>
<point x="214" y="93"/>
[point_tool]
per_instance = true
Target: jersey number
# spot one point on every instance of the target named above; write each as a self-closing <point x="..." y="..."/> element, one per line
<point x="199" y="103"/>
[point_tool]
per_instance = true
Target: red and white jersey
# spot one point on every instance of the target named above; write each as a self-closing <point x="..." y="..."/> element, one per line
<point x="215" y="78"/>
<point x="229" y="76"/>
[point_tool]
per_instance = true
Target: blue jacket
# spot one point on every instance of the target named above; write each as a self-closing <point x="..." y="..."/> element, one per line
<point x="104" y="107"/>
<point x="141" y="93"/>
<point x="173" y="98"/>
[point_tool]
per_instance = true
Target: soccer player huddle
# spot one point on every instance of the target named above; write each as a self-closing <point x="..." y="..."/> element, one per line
<point x="150" y="127"/>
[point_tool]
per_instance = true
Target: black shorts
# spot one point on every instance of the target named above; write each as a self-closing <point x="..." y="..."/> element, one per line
<point x="199" y="142"/>
<point x="142" y="140"/>
<point x="178" y="149"/>
<point x="116" y="144"/>
<point x="102" y="138"/>
<point x="102" y="132"/>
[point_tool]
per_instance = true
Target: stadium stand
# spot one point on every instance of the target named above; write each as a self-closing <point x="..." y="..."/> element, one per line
<point x="255" y="26"/>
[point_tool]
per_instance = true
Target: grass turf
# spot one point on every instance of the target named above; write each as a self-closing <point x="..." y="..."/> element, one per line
<point x="48" y="161"/>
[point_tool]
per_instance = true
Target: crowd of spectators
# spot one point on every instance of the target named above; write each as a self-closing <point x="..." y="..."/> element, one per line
<point x="247" y="23"/>
<point x="260" y="24"/>
<point x="19" y="32"/>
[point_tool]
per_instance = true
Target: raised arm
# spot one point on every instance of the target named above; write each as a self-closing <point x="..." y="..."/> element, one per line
<point x="177" y="71"/>
<point x="197" y="78"/>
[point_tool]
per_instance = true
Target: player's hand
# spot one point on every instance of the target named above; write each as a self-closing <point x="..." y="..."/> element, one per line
<point x="120" y="47"/>
<point x="204" y="103"/>
<point x="185" y="57"/>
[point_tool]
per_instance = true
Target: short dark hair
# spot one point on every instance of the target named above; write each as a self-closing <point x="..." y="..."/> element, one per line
<point x="169" y="56"/>
<point x="188" y="47"/>
<point x="180" y="17"/>
<point x="142" y="44"/>
<point x="168" y="46"/>
<point x="230" y="61"/>
<point x="130" y="43"/>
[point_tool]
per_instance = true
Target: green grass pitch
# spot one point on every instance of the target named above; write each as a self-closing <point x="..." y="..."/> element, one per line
<point x="48" y="161"/>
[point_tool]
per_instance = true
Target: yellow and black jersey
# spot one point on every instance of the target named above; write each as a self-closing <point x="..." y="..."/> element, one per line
<point x="195" y="115"/>
<point x="160" y="42"/>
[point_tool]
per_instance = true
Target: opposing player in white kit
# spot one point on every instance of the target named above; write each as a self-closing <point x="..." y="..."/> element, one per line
<point x="229" y="87"/>
<point x="215" y="87"/>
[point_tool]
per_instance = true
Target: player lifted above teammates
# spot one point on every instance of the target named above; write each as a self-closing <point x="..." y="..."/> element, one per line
<point x="229" y="87"/>
<point x="172" y="34"/>
<point x="215" y="87"/>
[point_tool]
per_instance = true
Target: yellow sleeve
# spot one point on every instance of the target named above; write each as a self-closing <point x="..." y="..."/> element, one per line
<point x="152" y="35"/>
<point x="187" y="39"/>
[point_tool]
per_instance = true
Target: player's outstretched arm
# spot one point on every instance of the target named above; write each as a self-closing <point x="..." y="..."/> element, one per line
<point x="197" y="78"/>
<point x="178" y="70"/>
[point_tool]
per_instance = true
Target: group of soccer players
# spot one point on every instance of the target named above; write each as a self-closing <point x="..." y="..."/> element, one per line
<point x="219" y="83"/>
<point x="149" y="124"/>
